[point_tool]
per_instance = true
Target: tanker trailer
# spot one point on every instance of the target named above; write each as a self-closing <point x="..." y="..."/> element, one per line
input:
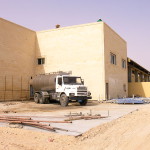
<point x="63" y="88"/>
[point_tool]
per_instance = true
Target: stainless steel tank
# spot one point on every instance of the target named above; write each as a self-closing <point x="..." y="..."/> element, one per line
<point x="44" y="82"/>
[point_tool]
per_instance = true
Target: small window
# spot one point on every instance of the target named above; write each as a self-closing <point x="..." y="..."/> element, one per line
<point x="123" y="63"/>
<point x="41" y="61"/>
<point x="60" y="81"/>
<point x="112" y="58"/>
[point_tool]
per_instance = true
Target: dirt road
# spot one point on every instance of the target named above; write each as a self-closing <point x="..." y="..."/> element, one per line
<point x="131" y="132"/>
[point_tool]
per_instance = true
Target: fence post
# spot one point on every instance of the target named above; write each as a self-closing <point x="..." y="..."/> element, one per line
<point x="12" y="87"/>
<point x="21" y="88"/>
<point x="5" y="89"/>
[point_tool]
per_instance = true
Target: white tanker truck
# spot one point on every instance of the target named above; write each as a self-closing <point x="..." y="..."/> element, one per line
<point x="61" y="87"/>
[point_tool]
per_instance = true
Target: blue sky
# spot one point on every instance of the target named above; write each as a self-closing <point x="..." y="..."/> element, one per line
<point x="129" y="18"/>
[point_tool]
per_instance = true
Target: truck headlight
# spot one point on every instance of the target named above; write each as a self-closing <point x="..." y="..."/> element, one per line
<point x="89" y="93"/>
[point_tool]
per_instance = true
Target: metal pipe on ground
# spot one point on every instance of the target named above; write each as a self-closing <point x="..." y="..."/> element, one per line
<point x="32" y="123"/>
<point x="41" y="126"/>
<point x="1" y="117"/>
<point x="44" y="126"/>
<point x="86" y="118"/>
<point x="29" y="119"/>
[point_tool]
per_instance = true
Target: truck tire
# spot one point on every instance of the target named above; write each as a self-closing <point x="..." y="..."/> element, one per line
<point x="47" y="101"/>
<point x="41" y="99"/>
<point x="84" y="102"/>
<point x="36" y="97"/>
<point x="64" y="100"/>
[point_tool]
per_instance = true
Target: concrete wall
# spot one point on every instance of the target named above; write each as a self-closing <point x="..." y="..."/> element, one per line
<point x="115" y="75"/>
<point x="141" y="89"/>
<point x="17" y="59"/>
<point x="79" y="49"/>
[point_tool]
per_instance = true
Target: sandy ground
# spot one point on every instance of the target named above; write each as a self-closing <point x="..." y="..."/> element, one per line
<point x="131" y="132"/>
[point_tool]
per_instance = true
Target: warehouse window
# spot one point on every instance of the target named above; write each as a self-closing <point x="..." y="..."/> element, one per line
<point x="112" y="58"/>
<point x="41" y="61"/>
<point x="123" y="63"/>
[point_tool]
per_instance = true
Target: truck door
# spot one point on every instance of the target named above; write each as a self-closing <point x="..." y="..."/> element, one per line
<point x="59" y="87"/>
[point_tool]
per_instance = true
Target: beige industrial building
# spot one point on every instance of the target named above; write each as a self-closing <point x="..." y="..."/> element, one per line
<point x="93" y="51"/>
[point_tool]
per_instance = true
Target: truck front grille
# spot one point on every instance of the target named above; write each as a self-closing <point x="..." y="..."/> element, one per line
<point x="82" y="88"/>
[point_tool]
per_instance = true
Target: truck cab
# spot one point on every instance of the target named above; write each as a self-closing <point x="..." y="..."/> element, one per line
<point x="73" y="87"/>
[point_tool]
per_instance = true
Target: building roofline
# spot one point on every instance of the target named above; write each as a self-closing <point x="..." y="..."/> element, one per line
<point x="114" y="32"/>
<point x="68" y="27"/>
<point x="15" y="24"/>
<point x="137" y="65"/>
<point x="81" y="25"/>
<point x="62" y="28"/>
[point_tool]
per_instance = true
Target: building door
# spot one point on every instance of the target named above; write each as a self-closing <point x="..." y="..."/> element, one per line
<point x="107" y="91"/>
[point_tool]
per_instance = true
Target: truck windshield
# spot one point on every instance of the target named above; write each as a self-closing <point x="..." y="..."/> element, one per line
<point x="72" y="80"/>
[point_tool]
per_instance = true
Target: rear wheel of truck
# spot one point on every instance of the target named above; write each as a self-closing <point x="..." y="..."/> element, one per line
<point x="41" y="99"/>
<point x="36" y="97"/>
<point x="64" y="100"/>
<point x="47" y="101"/>
<point x="84" y="102"/>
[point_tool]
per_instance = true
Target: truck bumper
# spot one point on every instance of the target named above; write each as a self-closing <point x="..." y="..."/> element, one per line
<point x="79" y="97"/>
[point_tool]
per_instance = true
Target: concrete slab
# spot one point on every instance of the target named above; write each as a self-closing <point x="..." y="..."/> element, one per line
<point x="77" y="127"/>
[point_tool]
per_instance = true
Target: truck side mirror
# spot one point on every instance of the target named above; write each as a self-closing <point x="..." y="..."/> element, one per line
<point x="82" y="81"/>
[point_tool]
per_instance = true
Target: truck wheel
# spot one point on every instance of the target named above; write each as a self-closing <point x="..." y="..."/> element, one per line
<point x="64" y="100"/>
<point x="46" y="101"/>
<point x="36" y="98"/>
<point x="84" y="102"/>
<point x="41" y="99"/>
